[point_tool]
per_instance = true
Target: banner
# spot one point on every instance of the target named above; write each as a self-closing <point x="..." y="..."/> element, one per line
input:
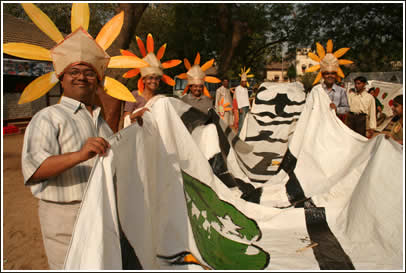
<point x="186" y="198"/>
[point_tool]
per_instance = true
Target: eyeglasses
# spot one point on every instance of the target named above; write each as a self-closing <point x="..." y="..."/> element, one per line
<point x="329" y="73"/>
<point x="90" y="74"/>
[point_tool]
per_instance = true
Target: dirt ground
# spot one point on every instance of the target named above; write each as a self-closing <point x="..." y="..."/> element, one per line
<point x="22" y="246"/>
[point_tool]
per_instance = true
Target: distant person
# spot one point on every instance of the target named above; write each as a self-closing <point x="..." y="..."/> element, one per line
<point x="362" y="115"/>
<point x="397" y="127"/>
<point x="223" y="97"/>
<point x="330" y="71"/>
<point x="242" y="97"/>
<point x="198" y="97"/>
<point x="148" y="84"/>
<point x="380" y="116"/>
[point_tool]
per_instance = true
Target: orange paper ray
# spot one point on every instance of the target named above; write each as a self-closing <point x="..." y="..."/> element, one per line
<point x="161" y="52"/>
<point x="110" y="31"/>
<point x="197" y="59"/>
<point x="182" y="76"/>
<point x="127" y="53"/>
<point x="207" y="65"/>
<point x="341" y="52"/>
<point x="185" y="90"/>
<point x="140" y="85"/>
<point x="211" y="79"/>
<point x="168" y="80"/>
<point x="314" y="57"/>
<point x="171" y="63"/>
<point x="317" y="79"/>
<point x="206" y="92"/>
<point x="329" y="47"/>
<point x="141" y="46"/>
<point x="343" y="61"/>
<point x="187" y="63"/>
<point x="320" y="51"/>
<point x="340" y="73"/>
<point x="131" y="73"/>
<point x="150" y="43"/>
<point x="313" y="68"/>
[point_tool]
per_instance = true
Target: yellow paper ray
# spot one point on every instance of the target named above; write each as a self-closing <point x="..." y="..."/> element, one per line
<point x="314" y="57"/>
<point x="344" y="61"/>
<point x="110" y="31"/>
<point x="207" y="65"/>
<point x="320" y="51"/>
<point x="39" y="87"/>
<point x="329" y="47"/>
<point x="317" y="79"/>
<point x="117" y="90"/>
<point x="211" y="79"/>
<point x="131" y="73"/>
<point x="141" y="46"/>
<point x="171" y="63"/>
<point x="341" y="52"/>
<point x="340" y="73"/>
<point x="27" y="51"/>
<point x="127" y="62"/>
<point x="168" y="80"/>
<point x="313" y="68"/>
<point x="197" y="59"/>
<point x="42" y="21"/>
<point x="182" y="76"/>
<point x="150" y="43"/>
<point x="161" y="52"/>
<point x="248" y="70"/>
<point x="187" y="63"/>
<point x="250" y="76"/>
<point x="80" y="16"/>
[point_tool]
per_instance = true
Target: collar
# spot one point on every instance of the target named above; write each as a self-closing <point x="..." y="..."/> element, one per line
<point x="333" y="88"/>
<point x="75" y="105"/>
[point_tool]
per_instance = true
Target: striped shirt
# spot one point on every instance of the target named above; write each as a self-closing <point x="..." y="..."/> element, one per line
<point x="56" y="130"/>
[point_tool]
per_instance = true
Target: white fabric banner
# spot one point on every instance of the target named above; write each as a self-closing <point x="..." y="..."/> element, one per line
<point x="335" y="203"/>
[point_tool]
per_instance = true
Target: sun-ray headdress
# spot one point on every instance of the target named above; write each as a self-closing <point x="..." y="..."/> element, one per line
<point x="154" y="63"/>
<point x="328" y="61"/>
<point x="244" y="75"/>
<point x="77" y="48"/>
<point x="223" y="108"/>
<point x="197" y="74"/>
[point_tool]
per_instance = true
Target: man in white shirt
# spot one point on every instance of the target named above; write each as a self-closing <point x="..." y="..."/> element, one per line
<point x="362" y="115"/>
<point x="241" y="94"/>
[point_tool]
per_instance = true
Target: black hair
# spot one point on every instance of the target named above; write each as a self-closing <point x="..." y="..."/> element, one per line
<point x="399" y="99"/>
<point x="371" y="89"/>
<point x="361" y="79"/>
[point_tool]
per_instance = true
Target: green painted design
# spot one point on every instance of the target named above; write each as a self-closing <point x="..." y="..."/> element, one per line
<point x="218" y="251"/>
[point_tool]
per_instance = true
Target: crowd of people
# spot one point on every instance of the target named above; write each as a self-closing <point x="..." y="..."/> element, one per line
<point x="62" y="140"/>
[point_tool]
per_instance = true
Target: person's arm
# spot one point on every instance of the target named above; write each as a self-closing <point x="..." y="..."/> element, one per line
<point x="56" y="164"/>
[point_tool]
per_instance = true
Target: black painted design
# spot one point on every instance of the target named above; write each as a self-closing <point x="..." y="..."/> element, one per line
<point x="280" y="101"/>
<point x="266" y="136"/>
<point x="328" y="253"/>
<point x="194" y="118"/>
<point x="274" y="122"/>
<point x="261" y="167"/>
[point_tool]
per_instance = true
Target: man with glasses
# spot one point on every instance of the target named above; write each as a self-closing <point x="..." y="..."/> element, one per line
<point x="337" y="94"/>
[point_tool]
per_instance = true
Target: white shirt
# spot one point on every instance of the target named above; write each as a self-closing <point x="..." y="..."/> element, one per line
<point x="363" y="103"/>
<point x="56" y="130"/>
<point x="241" y="94"/>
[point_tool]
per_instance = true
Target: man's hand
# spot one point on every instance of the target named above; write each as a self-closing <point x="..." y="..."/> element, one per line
<point x="370" y="133"/>
<point x="333" y="106"/>
<point x="137" y="116"/>
<point x="92" y="147"/>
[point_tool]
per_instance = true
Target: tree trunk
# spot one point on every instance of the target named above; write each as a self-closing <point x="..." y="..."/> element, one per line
<point x="112" y="107"/>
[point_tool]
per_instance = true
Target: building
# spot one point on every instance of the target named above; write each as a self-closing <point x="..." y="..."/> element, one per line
<point x="303" y="61"/>
<point x="18" y="73"/>
<point x="277" y="72"/>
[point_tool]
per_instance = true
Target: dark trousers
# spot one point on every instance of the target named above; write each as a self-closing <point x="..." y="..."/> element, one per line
<point x="357" y="122"/>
